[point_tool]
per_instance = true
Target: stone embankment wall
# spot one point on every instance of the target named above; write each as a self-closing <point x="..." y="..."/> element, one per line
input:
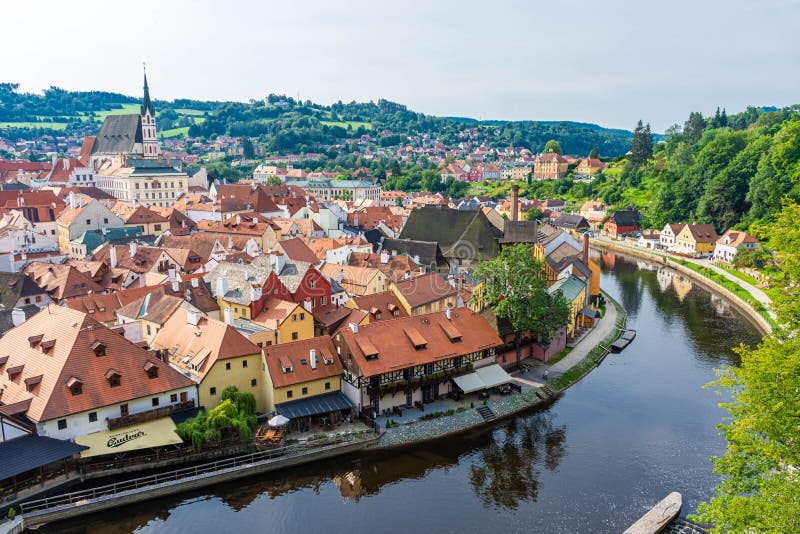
<point x="741" y="306"/>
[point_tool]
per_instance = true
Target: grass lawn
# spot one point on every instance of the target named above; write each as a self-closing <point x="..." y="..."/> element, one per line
<point x="50" y="125"/>
<point x="345" y="124"/>
<point x="738" y="274"/>
<point x="175" y="132"/>
<point x="183" y="111"/>
<point x="126" y="109"/>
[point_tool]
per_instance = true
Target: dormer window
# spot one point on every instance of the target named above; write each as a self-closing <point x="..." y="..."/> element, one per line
<point x="3" y="360"/>
<point x="286" y="365"/>
<point x="32" y="382"/>
<point x="75" y="386"/>
<point x="151" y="369"/>
<point x="14" y="372"/>
<point x="113" y="378"/>
<point x="99" y="348"/>
<point x="35" y="340"/>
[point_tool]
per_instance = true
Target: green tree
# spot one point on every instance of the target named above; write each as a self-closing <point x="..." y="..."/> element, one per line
<point x="273" y="181"/>
<point x="515" y="286"/>
<point x="693" y="128"/>
<point x="248" y="150"/>
<point x="761" y="490"/>
<point x="553" y="146"/>
<point x="395" y="168"/>
<point x="534" y="214"/>
<point x="593" y="153"/>
<point x="235" y="413"/>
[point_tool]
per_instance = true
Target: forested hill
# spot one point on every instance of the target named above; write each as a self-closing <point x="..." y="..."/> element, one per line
<point x="283" y="124"/>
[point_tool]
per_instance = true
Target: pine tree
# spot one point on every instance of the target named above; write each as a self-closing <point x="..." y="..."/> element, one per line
<point x="716" y="122"/>
<point x="723" y="119"/>
<point x="693" y="128"/>
<point x="593" y="153"/>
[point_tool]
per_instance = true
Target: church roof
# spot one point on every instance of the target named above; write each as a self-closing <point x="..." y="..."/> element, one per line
<point x="146" y="104"/>
<point x="119" y="133"/>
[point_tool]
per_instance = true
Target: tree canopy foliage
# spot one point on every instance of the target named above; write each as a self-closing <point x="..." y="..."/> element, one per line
<point x="515" y="287"/>
<point x="761" y="488"/>
<point x="235" y="413"/>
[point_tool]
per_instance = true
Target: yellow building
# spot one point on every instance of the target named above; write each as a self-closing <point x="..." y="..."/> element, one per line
<point x="82" y="214"/>
<point x="550" y="166"/>
<point x="574" y="291"/>
<point x="147" y="221"/>
<point x="152" y="310"/>
<point x="301" y="370"/>
<point x="215" y="355"/>
<point x="696" y="239"/>
<point x="288" y="320"/>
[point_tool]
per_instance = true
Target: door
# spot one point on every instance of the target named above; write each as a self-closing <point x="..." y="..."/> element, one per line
<point x="184" y="397"/>
<point x="427" y="393"/>
<point x="409" y="401"/>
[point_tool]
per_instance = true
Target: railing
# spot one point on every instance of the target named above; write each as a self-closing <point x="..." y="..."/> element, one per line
<point x="149" y="415"/>
<point x="83" y="496"/>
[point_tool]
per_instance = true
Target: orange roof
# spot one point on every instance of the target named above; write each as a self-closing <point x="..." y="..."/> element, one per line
<point x="381" y="306"/>
<point x="424" y="289"/>
<point x="196" y="348"/>
<point x="61" y="281"/>
<point x="419" y="339"/>
<point x="72" y="359"/>
<point x="734" y="238"/>
<point x="275" y="312"/>
<point x="297" y="357"/>
<point x="395" y="269"/>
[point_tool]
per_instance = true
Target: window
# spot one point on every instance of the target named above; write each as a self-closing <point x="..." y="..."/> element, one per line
<point x="38" y="298"/>
<point x="173" y="397"/>
<point x="76" y="389"/>
<point x="302" y="316"/>
<point x="295" y="336"/>
<point x="289" y="394"/>
<point x="327" y="385"/>
<point x="148" y="330"/>
<point x="62" y="424"/>
<point x="92" y="417"/>
<point x="228" y="366"/>
<point x="123" y="410"/>
<point x="212" y="392"/>
<point x="323" y="301"/>
<point x="27" y="301"/>
<point x="155" y="401"/>
<point x="113" y="381"/>
<point x="157" y="227"/>
<point x="253" y="382"/>
<point x="244" y="363"/>
<point x="105" y="220"/>
<point x="88" y="221"/>
<point x="305" y="391"/>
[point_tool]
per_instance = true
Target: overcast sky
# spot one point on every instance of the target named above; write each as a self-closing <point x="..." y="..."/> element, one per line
<point x="608" y="62"/>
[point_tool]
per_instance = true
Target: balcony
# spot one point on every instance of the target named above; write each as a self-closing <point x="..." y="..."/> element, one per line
<point x="157" y="413"/>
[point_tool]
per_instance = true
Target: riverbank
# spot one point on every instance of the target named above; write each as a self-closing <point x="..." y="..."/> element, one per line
<point x="746" y="309"/>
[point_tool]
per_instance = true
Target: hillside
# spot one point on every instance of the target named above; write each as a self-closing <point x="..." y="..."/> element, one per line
<point x="283" y="125"/>
<point x="726" y="170"/>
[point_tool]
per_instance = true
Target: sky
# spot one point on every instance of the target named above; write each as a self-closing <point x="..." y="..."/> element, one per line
<point x="605" y="62"/>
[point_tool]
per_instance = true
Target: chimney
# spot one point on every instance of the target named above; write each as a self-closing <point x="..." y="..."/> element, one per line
<point x="17" y="316"/>
<point x="192" y="317"/>
<point x="238" y="220"/>
<point x="186" y="200"/>
<point x="228" y="315"/>
<point x="112" y="254"/>
<point x="255" y="293"/>
<point x="514" y="202"/>
<point x="222" y="286"/>
<point x="394" y="253"/>
<point x="340" y="276"/>
<point x="176" y="286"/>
<point x="312" y="358"/>
<point x="132" y="247"/>
<point x="171" y="274"/>
<point x="384" y="257"/>
<point x="73" y="201"/>
<point x="307" y="305"/>
<point x="195" y="282"/>
<point x="448" y="313"/>
<point x="353" y="327"/>
<point x="585" y="255"/>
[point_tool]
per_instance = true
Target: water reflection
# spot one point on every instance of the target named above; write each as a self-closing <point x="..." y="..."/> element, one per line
<point x="635" y="429"/>
<point x="508" y="470"/>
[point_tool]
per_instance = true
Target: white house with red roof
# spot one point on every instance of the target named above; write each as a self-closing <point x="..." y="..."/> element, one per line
<point x="731" y="243"/>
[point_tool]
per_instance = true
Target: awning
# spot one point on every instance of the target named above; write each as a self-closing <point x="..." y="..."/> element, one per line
<point x="155" y="433"/>
<point x="469" y="383"/>
<point x="316" y="405"/>
<point x="19" y="455"/>
<point x="493" y="376"/>
<point x="588" y="312"/>
<point x="484" y="378"/>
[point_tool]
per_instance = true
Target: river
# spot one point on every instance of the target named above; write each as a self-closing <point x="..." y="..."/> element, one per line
<point x="635" y="429"/>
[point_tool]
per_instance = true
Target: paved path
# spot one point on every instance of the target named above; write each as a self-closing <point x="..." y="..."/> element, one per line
<point x="602" y="329"/>
<point x="755" y="292"/>
<point x="528" y="382"/>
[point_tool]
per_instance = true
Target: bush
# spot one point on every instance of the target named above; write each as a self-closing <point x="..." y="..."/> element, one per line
<point x="236" y="412"/>
<point x="11" y="514"/>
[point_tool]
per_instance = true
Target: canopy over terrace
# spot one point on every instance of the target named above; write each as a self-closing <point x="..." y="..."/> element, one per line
<point x="484" y="378"/>
<point x="316" y="405"/>
<point x="30" y="452"/>
<point x="155" y="433"/>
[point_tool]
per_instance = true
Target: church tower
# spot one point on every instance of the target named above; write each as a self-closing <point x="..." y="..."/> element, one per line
<point x="150" y="147"/>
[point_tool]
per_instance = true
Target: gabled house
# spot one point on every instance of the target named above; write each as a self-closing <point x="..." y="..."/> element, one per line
<point x="621" y="223"/>
<point x="61" y="282"/>
<point x="425" y="294"/>
<point x="214" y="355"/>
<point x="81" y="215"/>
<point x="731" y="243"/>
<point x="69" y="375"/>
<point x="357" y="281"/>
<point x="305" y="381"/>
<point x="696" y="239"/>
<point x="410" y="360"/>
<point x="666" y="237"/>
<point x="17" y="290"/>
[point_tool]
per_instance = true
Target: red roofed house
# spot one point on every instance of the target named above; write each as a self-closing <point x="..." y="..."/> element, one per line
<point x="731" y="243"/>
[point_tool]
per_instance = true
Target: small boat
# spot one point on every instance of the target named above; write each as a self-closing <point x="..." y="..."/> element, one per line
<point x="623" y="341"/>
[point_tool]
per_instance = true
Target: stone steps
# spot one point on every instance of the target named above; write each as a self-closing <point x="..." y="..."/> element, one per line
<point x="486" y="413"/>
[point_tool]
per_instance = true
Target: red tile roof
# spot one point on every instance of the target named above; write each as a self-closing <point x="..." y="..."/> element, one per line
<point x="297" y="357"/>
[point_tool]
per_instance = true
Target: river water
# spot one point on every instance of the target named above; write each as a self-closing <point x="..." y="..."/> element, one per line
<point x="635" y="429"/>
